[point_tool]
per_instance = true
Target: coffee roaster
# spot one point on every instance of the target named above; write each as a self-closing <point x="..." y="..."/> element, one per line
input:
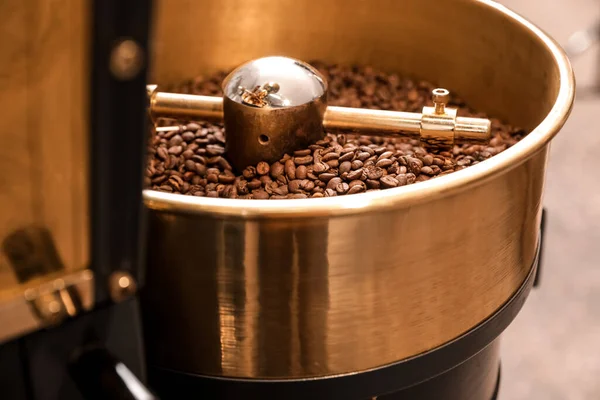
<point x="397" y="294"/>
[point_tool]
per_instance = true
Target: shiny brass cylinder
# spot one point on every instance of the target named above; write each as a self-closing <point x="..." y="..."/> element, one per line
<point x="184" y="106"/>
<point x="316" y="287"/>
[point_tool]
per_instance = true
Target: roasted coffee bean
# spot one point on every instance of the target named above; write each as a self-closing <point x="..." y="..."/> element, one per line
<point x="249" y="172"/>
<point x="346" y="166"/>
<point x="362" y="156"/>
<point x="388" y="182"/>
<point x="355" y="190"/>
<point x="427" y="159"/>
<point x="265" y="179"/>
<point x="415" y="165"/>
<point x="188" y="176"/>
<point x="357" y="174"/>
<point x="311" y="175"/>
<point x="333" y="163"/>
<point x="290" y="169"/>
<point x="294" y="186"/>
<point x="305" y="160"/>
<point x="176" y="140"/>
<point x="342" y="188"/>
<point x="254" y="184"/>
<point x="262" y="168"/>
<point x="282" y="179"/>
<point x="368" y="150"/>
<point x="260" y="194"/>
<point x="188" y="136"/>
<point x="302" y="153"/>
<point x="242" y="187"/>
<point x="301" y="172"/>
<point x="334" y="182"/>
<point x="373" y="184"/>
<point x="330" y="156"/>
<point x="393" y="169"/>
<point x="327" y="176"/>
<point x="374" y="173"/>
<point x="384" y="163"/>
<point x="190" y="165"/>
<point x="347" y="157"/>
<point x="229" y="192"/>
<point x="192" y="160"/>
<point x="159" y="179"/>
<point x="307" y="185"/>
<point x="214" y="150"/>
<point x="357" y="187"/>
<point x="269" y="187"/>
<point x="199" y="159"/>
<point x="277" y="169"/>
<point x="214" y="178"/>
<point x="192" y="126"/>
<point x="427" y="171"/>
<point x="175" y="150"/>
<point x="356" y="164"/>
<point x="369" y="163"/>
<point x="320" y="167"/>
<point x="385" y="155"/>
<point x="223" y="178"/>
<point x="281" y="190"/>
<point x="401" y="179"/>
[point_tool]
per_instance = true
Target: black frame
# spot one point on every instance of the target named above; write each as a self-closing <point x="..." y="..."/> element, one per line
<point x="118" y="118"/>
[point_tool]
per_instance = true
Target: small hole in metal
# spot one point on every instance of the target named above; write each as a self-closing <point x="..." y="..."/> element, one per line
<point x="263" y="139"/>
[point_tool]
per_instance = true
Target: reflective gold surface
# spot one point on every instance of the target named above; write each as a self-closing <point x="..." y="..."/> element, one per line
<point x="302" y="288"/>
<point x="43" y="131"/>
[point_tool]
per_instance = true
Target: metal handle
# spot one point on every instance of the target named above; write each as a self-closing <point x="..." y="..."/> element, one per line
<point x="100" y="376"/>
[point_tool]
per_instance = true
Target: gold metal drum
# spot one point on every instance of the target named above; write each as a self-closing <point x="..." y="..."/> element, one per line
<point x="316" y="287"/>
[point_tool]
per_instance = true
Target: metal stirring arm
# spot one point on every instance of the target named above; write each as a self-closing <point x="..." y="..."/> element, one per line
<point x="435" y="125"/>
<point x="276" y="105"/>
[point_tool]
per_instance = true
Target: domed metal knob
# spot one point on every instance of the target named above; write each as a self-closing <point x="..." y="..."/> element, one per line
<point x="285" y="82"/>
<point x="272" y="106"/>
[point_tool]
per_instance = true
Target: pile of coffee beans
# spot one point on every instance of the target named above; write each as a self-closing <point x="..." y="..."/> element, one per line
<point x="191" y="159"/>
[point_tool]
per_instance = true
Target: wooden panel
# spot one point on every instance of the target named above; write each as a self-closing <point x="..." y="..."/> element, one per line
<point x="43" y="129"/>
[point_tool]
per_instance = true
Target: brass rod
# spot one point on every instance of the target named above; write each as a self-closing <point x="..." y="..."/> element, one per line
<point x="336" y="119"/>
<point x="371" y="122"/>
<point x="175" y="105"/>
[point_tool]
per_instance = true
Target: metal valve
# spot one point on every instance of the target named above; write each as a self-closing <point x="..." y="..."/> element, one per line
<point x="275" y="105"/>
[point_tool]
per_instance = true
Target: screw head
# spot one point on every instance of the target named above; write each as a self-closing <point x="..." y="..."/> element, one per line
<point x="440" y="95"/>
<point x="126" y="60"/>
<point x="121" y="285"/>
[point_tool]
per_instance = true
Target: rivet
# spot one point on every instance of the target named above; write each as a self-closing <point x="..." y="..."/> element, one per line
<point x="126" y="60"/>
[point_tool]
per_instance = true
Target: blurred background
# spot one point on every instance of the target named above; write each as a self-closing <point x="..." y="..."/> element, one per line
<point x="552" y="350"/>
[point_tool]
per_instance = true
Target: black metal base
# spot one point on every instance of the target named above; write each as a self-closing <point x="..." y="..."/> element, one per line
<point x="475" y="379"/>
<point x="455" y="368"/>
